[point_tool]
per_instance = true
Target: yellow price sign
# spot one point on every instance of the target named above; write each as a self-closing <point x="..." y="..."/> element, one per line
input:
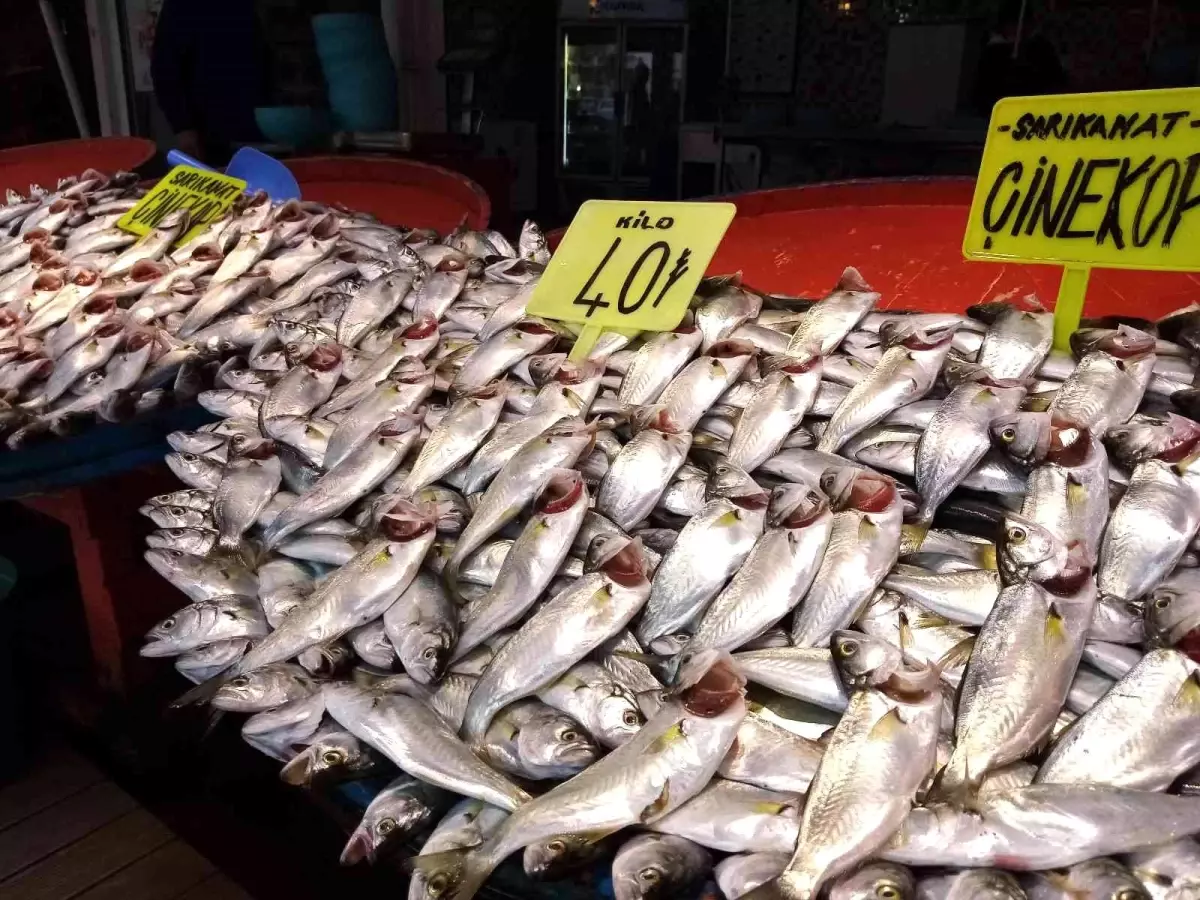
<point x="1085" y="180"/>
<point x="629" y="266"/>
<point x="207" y="195"/>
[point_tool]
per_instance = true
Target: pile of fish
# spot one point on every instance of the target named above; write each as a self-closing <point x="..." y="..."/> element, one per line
<point x="804" y="598"/>
<point x="97" y="323"/>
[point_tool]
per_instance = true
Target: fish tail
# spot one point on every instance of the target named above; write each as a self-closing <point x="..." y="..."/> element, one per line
<point x="953" y="784"/>
<point x="458" y="874"/>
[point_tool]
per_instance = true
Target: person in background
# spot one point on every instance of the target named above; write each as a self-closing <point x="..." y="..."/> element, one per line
<point x="209" y="71"/>
<point x="1035" y="69"/>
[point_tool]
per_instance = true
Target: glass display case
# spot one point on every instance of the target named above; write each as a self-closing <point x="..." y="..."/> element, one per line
<point x="621" y="91"/>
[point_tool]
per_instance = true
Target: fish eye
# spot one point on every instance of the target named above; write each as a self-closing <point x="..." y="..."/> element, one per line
<point x="333" y="757"/>
<point x="1129" y="894"/>
<point x="828" y="480"/>
<point x="437" y="885"/>
<point x="178" y="511"/>
<point x="177" y="554"/>
<point x="178" y="532"/>
<point x="386" y="826"/>
<point x="719" y="470"/>
<point x="429" y="653"/>
<point x="188" y="457"/>
<point x="630" y="718"/>
<point x="569" y="735"/>
<point x="556" y="846"/>
<point x="887" y="891"/>
<point x="847" y="648"/>
<point x="168" y="623"/>
<point x="1016" y="535"/>
<point x="650" y="876"/>
<point x="1008" y="435"/>
<point x="1162" y="601"/>
<point x="240" y="681"/>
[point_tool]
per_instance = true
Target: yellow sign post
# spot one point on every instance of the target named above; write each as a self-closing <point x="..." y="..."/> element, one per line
<point x="207" y="195"/>
<point x="1083" y="180"/>
<point x="629" y="266"/>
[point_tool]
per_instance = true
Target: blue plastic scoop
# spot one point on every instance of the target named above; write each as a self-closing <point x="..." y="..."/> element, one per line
<point x="259" y="171"/>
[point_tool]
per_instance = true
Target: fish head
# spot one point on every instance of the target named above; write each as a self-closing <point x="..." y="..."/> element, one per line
<point x="552" y="740"/>
<point x="564" y="489"/>
<point x="1123" y="342"/>
<point x="875" y="881"/>
<point x="1023" y="436"/>
<point x="796" y="506"/>
<point x="1172" y="614"/>
<point x="407" y="521"/>
<point x="391" y="817"/>
<point x="556" y="857"/>
<point x="618" y="716"/>
<point x="333" y="755"/>
<point x="735" y="484"/>
<point x="185" y="540"/>
<point x="254" y="691"/>
<point x="858" y="489"/>
<point x="1025" y="549"/>
<point x="1167" y="436"/>
<point x="166" y="638"/>
<point x="619" y="557"/>
<point x="425" y="651"/>
<point x="648" y="868"/>
<point x="709" y="683"/>
<point x="187" y="466"/>
<point x="324" y="357"/>
<point x="864" y="661"/>
<point x="1104" y="879"/>
<point x="544" y="367"/>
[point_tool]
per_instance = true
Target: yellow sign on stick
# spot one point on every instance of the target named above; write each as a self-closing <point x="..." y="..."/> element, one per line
<point x="629" y="266"/>
<point x="1084" y="180"/>
<point x="207" y="195"/>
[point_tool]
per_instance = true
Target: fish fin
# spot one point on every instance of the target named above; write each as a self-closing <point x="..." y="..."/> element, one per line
<point x="927" y="619"/>
<point x="659" y="806"/>
<point x="987" y="395"/>
<point x="666" y="739"/>
<point x="886" y="725"/>
<point x="953" y="784"/>
<point x="912" y="536"/>
<point x="1055" y="628"/>
<point x="1076" y="494"/>
<point x="214" y="719"/>
<point x="452" y="874"/>
<point x="957" y="655"/>
<point x="906" y="636"/>
<point x="769" y="807"/>
<point x="866" y="529"/>
<point x="203" y="692"/>
<point x="852" y="280"/>
<point x="1189" y="691"/>
<point x="986" y="557"/>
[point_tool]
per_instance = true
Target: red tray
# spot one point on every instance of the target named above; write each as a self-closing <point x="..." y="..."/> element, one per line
<point x="396" y="191"/>
<point x="905" y="236"/>
<point x="44" y="164"/>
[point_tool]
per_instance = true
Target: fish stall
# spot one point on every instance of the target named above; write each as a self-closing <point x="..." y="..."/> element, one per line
<point x="865" y="591"/>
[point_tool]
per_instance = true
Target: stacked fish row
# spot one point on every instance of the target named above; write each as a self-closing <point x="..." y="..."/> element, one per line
<point x="96" y="322"/>
<point x="957" y="570"/>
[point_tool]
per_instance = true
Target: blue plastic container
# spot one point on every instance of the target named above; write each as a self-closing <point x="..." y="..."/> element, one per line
<point x="358" y="71"/>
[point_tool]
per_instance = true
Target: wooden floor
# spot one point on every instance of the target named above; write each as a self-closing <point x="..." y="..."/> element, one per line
<point x="68" y="833"/>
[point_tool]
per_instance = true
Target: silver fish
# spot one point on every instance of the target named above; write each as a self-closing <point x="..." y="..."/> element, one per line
<point x="530" y="740"/>
<point x="779" y="403"/>
<point x="203" y="578"/>
<point x="656" y="363"/>
<point x="710" y="548"/>
<point x="807" y="674"/>
<point x="740" y="874"/>
<point x="391" y="398"/>
<point x="652" y="866"/>
<point x="1142" y="734"/>
<point x="264" y="689"/>
<point x="221" y="618"/>
<point x="683" y="743"/>
<point x="398" y="811"/>
<point x="535" y="557"/>
<point x="769" y="756"/>
<point x="905" y="373"/>
<point x="724" y="311"/>
<point x="1042" y="826"/>
<point x="863" y="545"/>
<point x="248" y="481"/>
<point x="204" y="662"/>
<point x="457" y="435"/>
<point x="468" y="824"/>
<point x="775" y="575"/>
<point x="561" y="633"/>
<point x="592" y="696"/>
<point x="701" y="383"/>
<point x="492" y="359"/>
<point x="969" y="884"/>
<point x="416" y="739"/>
<point x="423" y="627"/>
<point x="827" y="323"/>
<point x="639" y="475"/>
